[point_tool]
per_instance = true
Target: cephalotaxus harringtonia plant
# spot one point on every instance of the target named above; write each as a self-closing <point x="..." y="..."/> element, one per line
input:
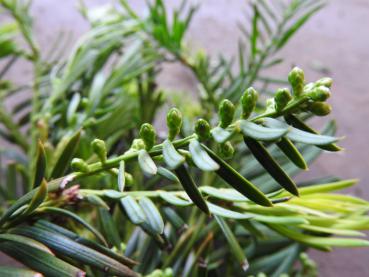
<point x="90" y="187"/>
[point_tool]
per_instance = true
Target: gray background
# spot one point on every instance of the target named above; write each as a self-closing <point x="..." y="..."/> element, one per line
<point x="337" y="37"/>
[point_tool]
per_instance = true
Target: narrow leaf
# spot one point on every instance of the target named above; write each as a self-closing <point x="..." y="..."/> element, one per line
<point x="38" y="198"/>
<point x="146" y="163"/>
<point x="291" y="151"/>
<point x="262" y="133"/>
<point x="40" y="168"/>
<point x="220" y="135"/>
<point x="201" y="158"/>
<point x="153" y="218"/>
<point x="133" y="210"/>
<point x="39" y="260"/>
<point x="224" y="194"/>
<point x="109" y="228"/>
<point x="17" y="272"/>
<point x="162" y="171"/>
<point x="171" y="156"/>
<point x="270" y="165"/>
<point x="174" y="219"/>
<point x="233" y="243"/>
<point x="75" y="217"/>
<point x="121" y="176"/>
<point x="89" y="243"/>
<point x="297" y="123"/>
<point x="191" y="189"/>
<point x="63" y="160"/>
<point x="220" y="211"/>
<point x="174" y="200"/>
<point x="67" y="247"/>
<point x="238" y="182"/>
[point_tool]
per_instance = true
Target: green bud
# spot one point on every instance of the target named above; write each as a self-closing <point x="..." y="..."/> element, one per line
<point x="99" y="148"/>
<point x="226" y="150"/>
<point x="129" y="179"/>
<point x="281" y="98"/>
<point x="226" y="113"/>
<point x="138" y="144"/>
<point x="202" y="129"/>
<point x="326" y="82"/>
<point x="297" y="79"/>
<point x="320" y="93"/>
<point x="148" y="135"/>
<point x="79" y="165"/>
<point x="85" y="102"/>
<point x="174" y="122"/>
<point x="320" y="108"/>
<point x="248" y="102"/>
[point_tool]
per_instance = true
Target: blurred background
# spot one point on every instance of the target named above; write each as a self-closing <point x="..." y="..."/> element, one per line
<point x="335" y="43"/>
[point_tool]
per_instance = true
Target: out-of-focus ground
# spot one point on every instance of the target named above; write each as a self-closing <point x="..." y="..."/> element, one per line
<point x="338" y="38"/>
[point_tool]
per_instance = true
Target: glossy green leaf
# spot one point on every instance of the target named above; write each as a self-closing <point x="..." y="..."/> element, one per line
<point x="89" y="243"/>
<point x="322" y="188"/>
<point x="52" y="186"/>
<point x="96" y="201"/>
<point x="303" y="133"/>
<point x="171" y="156"/>
<point x="69" y="147"/>
<point x="172" y="216"/>
<point x="332" y="231"/>
<point x="224" y="194"/>
<point x="18" y="272"/>
<point x="174" y="200"/>
<point x="201" y="158"/>
<point x="238" y="182"/>
<point x="262" y="133"/>
<point x="121" y="176"/>
<point x="221" y="135"/>
<point x="38" y="198"/>
<point x="191" y="189"/>
<point x="162" y="171"/>
<point x="283" y="220"/>
<point x="67" y="247"/>
<point x="109" y="228"/>
<point x="154" y="221"/>
<point x="39" y="260"/>
<point x="40" y="167"/>
<point x="146" y="163"/>
<point x="24" y="241"/>
<point x="319" y="242"/>
<point x="270" y="165"/>
<point x="133" y="210"/>
<point x="75" y="217"/>
<point x="291" y="151"/>
<point x="233" y="243"/>
<point x="220" y="211"/>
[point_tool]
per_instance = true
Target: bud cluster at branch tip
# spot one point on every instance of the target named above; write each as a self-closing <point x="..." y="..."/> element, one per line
<point x="226" y="113"/>
<point x="320" y="108"/>
<point x="281" y="98"/>
<point x="174" y="122"/>
<point x="297" y="80"/>
<point x="248" y="102"/>
<point x="79" y="165"/>
<point x="202" y="129"/>
<point x="148" y="135"/>
<point x="99" y="148"/>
